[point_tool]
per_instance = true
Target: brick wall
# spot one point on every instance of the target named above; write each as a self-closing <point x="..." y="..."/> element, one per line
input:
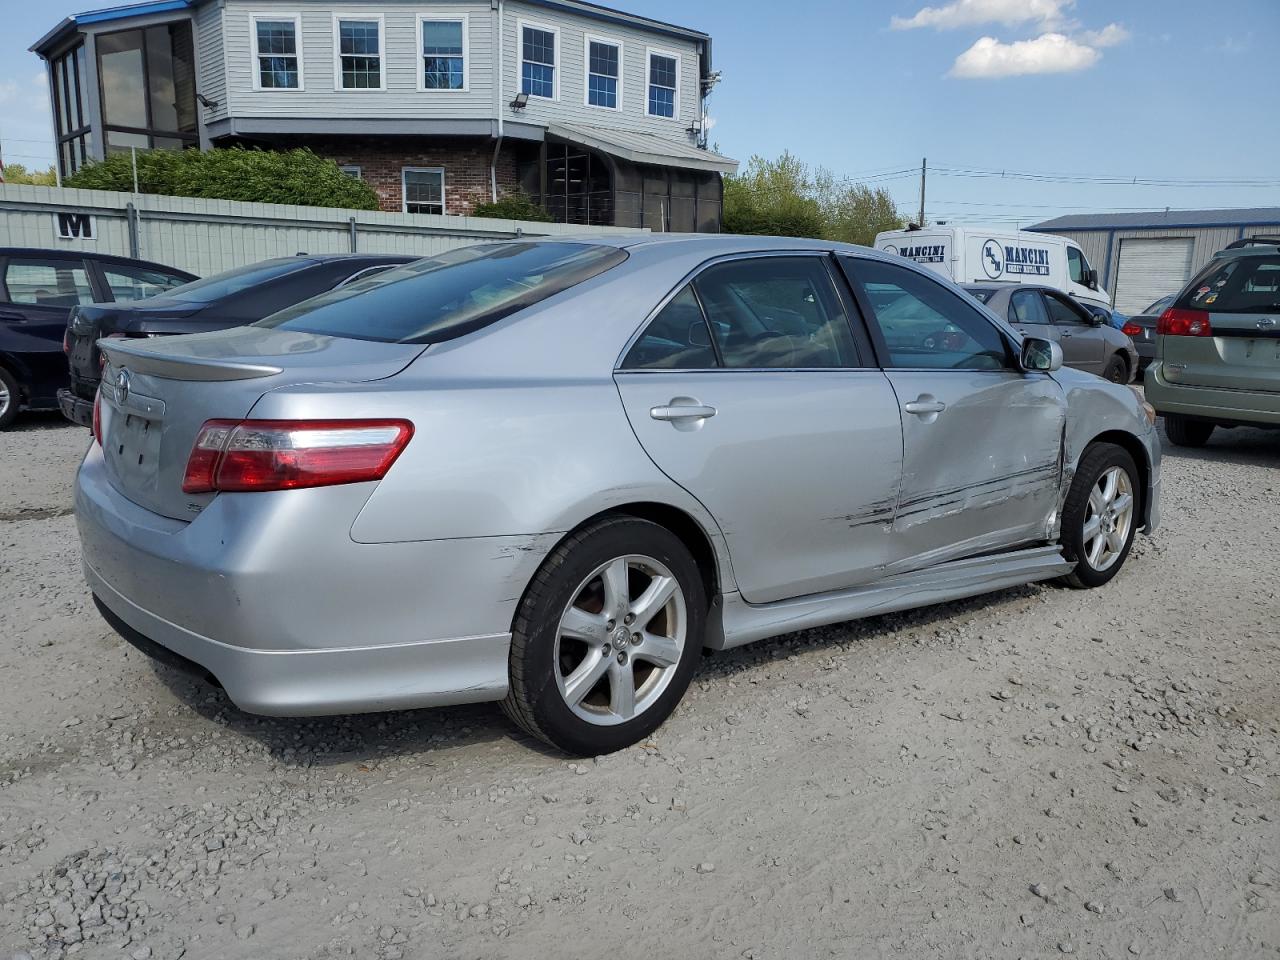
<point x="466" y="165"/>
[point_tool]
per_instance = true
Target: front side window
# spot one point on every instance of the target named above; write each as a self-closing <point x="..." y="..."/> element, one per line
<point x="776" y="312"/>
<point x="47" y="283"/>
<point x="925" y="325"/>
<point x="275" y="48"/>
<point x="538" y="62"/>
<point x="359" y="54"/>
<point x="135" y="283"/>
<point x="444" y="58"/>
<point x="423" y="190"/>
<point x="449" y="295"/>
<point x="1025" y="306"/>
<point x="602" y="73"/>
<point x="1077" y="266"/>
<point x="664" y="73"/>
<point x="676" y="339"/>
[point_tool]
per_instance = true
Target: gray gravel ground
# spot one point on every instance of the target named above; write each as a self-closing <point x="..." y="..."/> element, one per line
<point x="1029" y="774"/>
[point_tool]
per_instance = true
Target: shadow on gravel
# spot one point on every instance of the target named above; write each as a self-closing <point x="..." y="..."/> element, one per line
<point x="41" y="420"/>
<point x="365" y="738"/>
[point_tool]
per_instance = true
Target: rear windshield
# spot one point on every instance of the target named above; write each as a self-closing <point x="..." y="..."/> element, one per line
<point x="449" y="295"/>
<point x="981" y="294"/>
<point x="233" y="281"/>
<point x="1238" y="285"/>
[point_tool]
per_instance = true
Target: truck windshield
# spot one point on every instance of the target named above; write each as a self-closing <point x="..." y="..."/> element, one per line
<point x="447" y="296"/>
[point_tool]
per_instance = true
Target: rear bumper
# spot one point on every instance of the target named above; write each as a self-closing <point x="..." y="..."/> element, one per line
<point x="1210" y="403"/>
<point x="272" y="598"/>
<point x="74" y="409"/>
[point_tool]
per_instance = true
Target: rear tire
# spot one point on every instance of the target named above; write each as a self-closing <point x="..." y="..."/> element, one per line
<point x="1100" y="516"/>
<point x="10" y="398"/>
<point x="1117" y="370"/>
<point x="606" y="637"/>
<point x="1187" y="433"/>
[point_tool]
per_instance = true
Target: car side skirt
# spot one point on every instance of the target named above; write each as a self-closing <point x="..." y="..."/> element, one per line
<point x="735" y="622"/>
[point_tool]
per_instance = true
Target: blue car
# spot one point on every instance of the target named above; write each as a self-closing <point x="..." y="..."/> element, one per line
<point x="38" y="288"/>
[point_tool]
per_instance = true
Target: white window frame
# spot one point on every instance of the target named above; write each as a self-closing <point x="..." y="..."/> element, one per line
<point x="404" y="190"/>
<point x="253" y="50"/>
<point x="352" y="170"/>
<point x="649" y="54"/>
<point x="557" y="68"/>
<point x="339" y="18"/>
<point x="420" y="67"/>
<point x="587" y="40"/>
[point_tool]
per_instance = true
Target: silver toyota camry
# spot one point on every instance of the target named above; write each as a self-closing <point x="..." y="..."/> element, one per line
<point x="551" y="473"/>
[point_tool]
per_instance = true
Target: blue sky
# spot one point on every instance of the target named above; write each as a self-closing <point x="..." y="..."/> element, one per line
<point x="1148" y="89"/>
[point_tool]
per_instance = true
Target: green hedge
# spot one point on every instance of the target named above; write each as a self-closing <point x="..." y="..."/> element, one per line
<point x="256" y="176"/>
<point x="513" y="206"/>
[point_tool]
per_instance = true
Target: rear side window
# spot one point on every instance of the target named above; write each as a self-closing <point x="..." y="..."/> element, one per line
<point x="1240" y="285"/>
<point x="1025" y="306"/>
<point x="47" y="283"/>
<point x="447" y="296"/>
<point x="676" y="339"/>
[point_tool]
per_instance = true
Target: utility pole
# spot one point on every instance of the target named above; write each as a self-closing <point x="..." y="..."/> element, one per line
<point x="924" y="169"/>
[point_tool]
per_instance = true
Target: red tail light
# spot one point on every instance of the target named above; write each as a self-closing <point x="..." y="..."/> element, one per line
<point x="1131" y="329"/>
<point x="1176" y="322"/>
<point x="97" y="416"/>
<point x="260" y="455"/>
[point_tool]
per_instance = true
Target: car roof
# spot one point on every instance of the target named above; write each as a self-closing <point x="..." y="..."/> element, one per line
<point x="88" y="255"/>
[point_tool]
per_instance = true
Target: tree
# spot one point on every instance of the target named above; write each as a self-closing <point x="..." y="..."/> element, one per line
<point x="256" y="176"/>
<point x="18" y="173"/>
<point x="783" y="197"/>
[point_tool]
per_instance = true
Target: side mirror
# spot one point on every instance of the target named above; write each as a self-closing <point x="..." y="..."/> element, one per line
<point x="1040" y="356"/>
<point x="1091" y="278"/>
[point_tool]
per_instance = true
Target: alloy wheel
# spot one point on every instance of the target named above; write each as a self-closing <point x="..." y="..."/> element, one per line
<point x="620" y="640"/>
<point x="1108" y="519"/>
<point x="6" y="397"/>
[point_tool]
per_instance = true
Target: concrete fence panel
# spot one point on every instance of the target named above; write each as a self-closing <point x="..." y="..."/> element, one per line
<point x="209" y="236"/>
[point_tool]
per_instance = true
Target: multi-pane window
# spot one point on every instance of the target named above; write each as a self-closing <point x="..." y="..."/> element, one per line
<point x="423" y="189"/>
<point x="359" y="54"/>
<point x="538" y="62"/>
<point x="275" y="43"/>
<point x="664" y="72"/>
<point x="352" y="170"/>
<point x="68" y="74"/>
<point x="602" y="74"/>
<point x="443" y="55"/>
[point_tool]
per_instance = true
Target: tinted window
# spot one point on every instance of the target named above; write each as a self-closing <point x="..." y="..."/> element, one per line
<point x="982" y="295"/>
<point x="47" y="283"/>
<point x="449" y="295"/>
<point x="1025" y="306"/>
<point x="926" y="325"/>
<point x="135" y="283"/>
<point x="1242" y="285"/>
<point x="677" y="338"/>
<point x="1061" y="310"/>
<point x="776" y="312"/>
<point x="233" y="281"/>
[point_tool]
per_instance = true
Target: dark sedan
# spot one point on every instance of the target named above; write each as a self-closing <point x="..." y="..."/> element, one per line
<point x="1088" y="342"/>
<point x="38" y="289"/>
<point x="1141" y="329"/>
<point x="235" y="298"/>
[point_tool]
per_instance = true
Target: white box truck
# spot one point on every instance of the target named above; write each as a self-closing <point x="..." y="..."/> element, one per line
<point x="981" y="254"/>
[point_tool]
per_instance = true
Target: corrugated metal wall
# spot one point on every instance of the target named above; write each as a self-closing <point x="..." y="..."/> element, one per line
<point x="1102" y="247"/>
<point x="209" y="236"/>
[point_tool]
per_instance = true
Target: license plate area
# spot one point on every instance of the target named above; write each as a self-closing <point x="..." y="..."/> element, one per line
<point x="133" y="449"/>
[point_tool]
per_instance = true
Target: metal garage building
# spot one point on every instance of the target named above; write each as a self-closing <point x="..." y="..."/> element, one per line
<point x="1141" y="257"/>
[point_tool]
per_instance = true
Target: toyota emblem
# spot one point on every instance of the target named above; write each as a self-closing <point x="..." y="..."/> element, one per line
<point x="122" y="386"/>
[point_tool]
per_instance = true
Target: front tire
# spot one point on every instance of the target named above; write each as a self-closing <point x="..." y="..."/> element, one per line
<point x="10" y="398"/>
<point x="1100" y="516"/>
<point x="606" y="638"/>
<point x="1187" y="433"/>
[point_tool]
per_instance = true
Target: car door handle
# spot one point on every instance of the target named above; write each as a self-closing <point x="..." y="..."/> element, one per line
<point x="923" y="406"/>
<point x="680" y="408"/>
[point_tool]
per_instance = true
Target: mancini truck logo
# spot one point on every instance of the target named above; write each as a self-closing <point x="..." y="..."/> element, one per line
<point x="921" y="253"/>
<point x="998" y="260"/>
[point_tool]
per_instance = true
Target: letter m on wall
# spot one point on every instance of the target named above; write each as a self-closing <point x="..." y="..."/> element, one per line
<point x="76" y="226"/>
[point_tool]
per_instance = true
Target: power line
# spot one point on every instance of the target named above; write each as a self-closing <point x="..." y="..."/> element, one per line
<point x="1105" y="179"/>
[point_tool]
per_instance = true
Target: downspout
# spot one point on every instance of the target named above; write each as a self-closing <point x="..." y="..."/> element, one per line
<point x="497" y="147"/>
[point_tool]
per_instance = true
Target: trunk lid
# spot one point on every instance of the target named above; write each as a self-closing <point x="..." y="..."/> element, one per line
<point x="156" y="394"/>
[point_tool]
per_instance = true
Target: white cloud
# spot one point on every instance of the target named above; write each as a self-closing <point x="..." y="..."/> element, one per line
<point x="1048" y="53"/>
<point x="965" y="13"/>
<point x="1108" y="36"/>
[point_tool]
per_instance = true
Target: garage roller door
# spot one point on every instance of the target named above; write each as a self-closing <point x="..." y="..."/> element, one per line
<point x="1150" y="269"/>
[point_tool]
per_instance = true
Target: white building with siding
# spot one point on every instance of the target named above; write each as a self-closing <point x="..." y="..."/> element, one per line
<point x="1142" y="257"/>
<point x="596" y="113"/>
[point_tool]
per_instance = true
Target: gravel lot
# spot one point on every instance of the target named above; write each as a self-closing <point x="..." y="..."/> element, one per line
<point x="1033" y="773"/>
